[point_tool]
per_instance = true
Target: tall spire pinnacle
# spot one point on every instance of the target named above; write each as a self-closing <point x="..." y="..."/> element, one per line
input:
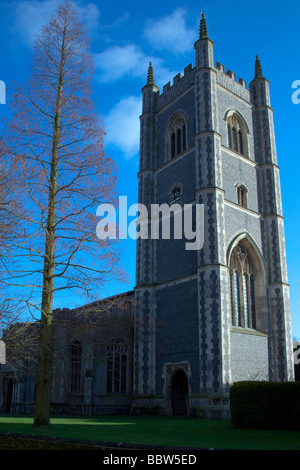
<point x="258" y="69"/>
<point x="203" y="28"/>
<point x="150" y="78"/>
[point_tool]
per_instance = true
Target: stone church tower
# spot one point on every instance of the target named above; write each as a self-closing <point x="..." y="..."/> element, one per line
<point x="209" y="317"/>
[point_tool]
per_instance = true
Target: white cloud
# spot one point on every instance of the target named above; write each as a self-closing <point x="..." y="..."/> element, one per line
<point x="117" y="62"/>
<point x="129" y="61"/>
<point x="89" y="14"/>
<point x="31" y="15"/>
<point x="122" y="126"/>
<point x="171" y="33"/>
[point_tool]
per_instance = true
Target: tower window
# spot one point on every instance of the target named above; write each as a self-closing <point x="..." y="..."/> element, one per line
<point x="242" y="195"/>
<point x="177" y="137"/>
<point x="173" y="144"/>
<point x="242" y="288"/>
<point x="179" y="146"/>
<point x="183" y="137"/>
<point x="175" y="195"/>
<point x="241" y="143"/>
<point x="237" y="134"/>
<point x="235" y="139"/>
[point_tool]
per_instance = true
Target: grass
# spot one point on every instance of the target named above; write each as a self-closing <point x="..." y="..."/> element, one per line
<point x="162" y="431"/>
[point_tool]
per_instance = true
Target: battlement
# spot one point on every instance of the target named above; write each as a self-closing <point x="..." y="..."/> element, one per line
<point x="180" y="84"/>
<point x="231" y="74"/>
<point x="228" y="80"/>
<point x="204" y="60"/>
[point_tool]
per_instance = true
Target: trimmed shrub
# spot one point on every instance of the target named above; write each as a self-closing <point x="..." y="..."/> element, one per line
<point x="265" y="405"/>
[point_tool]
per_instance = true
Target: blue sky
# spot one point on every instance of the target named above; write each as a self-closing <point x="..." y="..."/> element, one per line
<point x="125" y="36"/>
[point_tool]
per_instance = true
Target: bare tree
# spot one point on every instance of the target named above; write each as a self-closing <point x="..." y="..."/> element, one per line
<point x="9" y="233"/>
<point x="56" y="143"/>
<point x="6" y="220"/>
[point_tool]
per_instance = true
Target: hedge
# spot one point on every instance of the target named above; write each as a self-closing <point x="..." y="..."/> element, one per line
<point x="265" y="405"/>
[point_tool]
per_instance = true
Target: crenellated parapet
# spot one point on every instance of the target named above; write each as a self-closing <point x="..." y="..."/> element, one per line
<point x="181" y="83"/>
<point x="229" y="81"/>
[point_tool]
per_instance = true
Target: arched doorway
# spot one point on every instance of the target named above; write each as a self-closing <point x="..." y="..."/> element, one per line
<point x="179" y="393"/>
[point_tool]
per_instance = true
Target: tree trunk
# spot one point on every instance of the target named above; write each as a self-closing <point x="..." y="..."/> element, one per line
<point x="43" y="391"/>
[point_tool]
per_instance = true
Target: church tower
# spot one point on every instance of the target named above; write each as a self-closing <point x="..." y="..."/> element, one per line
<point x="210" y="316"/>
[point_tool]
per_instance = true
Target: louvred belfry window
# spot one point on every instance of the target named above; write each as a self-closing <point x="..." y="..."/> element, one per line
<point x="237" y="134"/>
<point x="177" y="137"/>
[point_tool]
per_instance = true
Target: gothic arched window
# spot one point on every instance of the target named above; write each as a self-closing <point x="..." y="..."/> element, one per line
<point x="237" y="133"/>
<point x="116" y="377"/>
<point x="242" y="288"/>
<point x="177" y="137"/>
<point x="242" y="195"/>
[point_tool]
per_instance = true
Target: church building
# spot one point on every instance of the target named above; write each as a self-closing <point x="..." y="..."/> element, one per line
<point x="200" y="319"/>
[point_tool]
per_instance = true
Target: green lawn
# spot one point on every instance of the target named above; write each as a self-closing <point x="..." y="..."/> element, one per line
<point x="163" y="431"/>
